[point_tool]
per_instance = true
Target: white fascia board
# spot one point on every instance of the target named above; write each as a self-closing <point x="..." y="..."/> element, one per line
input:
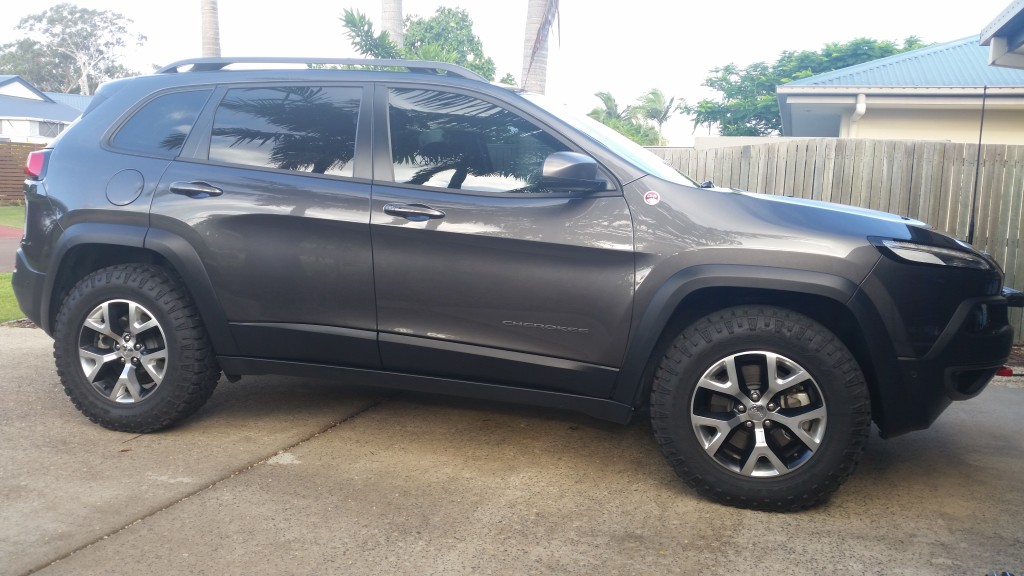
<point x="824" y="99"/>
<point x="916" y="102"/>
<point x="919" y="91"/>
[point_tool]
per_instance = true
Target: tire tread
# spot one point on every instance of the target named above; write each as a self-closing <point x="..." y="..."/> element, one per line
<point x="194" y="357"/>
<point x="780" y="323"/>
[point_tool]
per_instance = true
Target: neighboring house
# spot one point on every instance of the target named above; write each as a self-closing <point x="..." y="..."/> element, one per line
<point x="1005" y="37"/>
<point x="934" y="93"/>
<point x="76" y="101"/>
<point x="28" y="115"/>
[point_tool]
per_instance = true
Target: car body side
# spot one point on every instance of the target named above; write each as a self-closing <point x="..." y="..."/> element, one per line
<point x="689" y="253"/>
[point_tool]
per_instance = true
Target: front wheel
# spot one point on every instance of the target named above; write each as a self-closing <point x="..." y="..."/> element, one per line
<point x="131" y="350"/>
<point x="760" y="407"/>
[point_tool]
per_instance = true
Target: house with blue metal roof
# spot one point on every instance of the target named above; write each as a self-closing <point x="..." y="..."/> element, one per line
<point x="940" y="92"/>
<point x="28" y="115"/>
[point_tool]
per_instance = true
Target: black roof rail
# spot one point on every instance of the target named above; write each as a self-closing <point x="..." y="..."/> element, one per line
<point x="424" y="66"/>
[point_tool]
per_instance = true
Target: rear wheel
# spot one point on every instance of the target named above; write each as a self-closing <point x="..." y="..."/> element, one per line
<point x="760" y="407"/>
<point x="131" y="350"/>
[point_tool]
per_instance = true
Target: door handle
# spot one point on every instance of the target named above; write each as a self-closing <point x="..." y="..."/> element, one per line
<point x="195" y="189"/>
<point x="413" y="212"/>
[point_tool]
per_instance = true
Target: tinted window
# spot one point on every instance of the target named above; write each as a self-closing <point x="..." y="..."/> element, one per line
<point x="160" y="127"/>
<point x="301" y="128"/>
<point x="460" y="142"/>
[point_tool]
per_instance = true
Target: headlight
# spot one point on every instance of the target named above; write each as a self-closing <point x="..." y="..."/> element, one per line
<point x="926" y="254"/>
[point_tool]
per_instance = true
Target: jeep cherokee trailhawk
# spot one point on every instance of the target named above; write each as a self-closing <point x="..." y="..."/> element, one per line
<point x="409" y="225"/>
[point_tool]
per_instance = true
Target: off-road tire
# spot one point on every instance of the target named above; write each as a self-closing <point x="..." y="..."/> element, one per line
<point x="173" y="329"/>
<point x="781" y="336"/>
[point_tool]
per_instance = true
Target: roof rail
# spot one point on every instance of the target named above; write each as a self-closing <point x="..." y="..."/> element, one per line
<point x="422" y="66"/>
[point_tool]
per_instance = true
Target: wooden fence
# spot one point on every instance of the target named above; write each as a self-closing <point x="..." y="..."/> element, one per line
<point x="12" y="170"/>
<point x="929" y="181"/>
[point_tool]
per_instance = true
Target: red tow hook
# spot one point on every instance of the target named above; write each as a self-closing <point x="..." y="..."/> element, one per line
<point x="1004" y="371"/>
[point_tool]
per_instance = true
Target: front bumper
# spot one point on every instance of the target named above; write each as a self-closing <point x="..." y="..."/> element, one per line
<point x="974" y="345"/>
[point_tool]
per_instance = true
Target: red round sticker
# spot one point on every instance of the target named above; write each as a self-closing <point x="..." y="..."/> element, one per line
<point x="652" y="198"/>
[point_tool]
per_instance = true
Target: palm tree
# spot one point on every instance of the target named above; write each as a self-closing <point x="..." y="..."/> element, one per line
<point x="652" y="106"/>
<point x="609" y="109"/>
<point x="628" y="121"/>
<point x="211" y="29"/>
<point x="391" y="20"/>
<point x="540" y="17"/>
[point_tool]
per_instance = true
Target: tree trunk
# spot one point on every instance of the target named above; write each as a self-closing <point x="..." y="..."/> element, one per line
<point x="391" y="20"/>
<point x="211" y="29"/>
<point x="83" y="77"/>
<point x="535" y="45"/>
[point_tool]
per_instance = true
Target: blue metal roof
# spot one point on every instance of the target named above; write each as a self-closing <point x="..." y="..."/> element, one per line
<point x="961" y="63"/>
<point x="14" y="107"/>
<point x="76" y="101"/>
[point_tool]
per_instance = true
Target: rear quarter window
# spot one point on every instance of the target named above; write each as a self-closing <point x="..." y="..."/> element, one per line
<point x="160" y="127"/>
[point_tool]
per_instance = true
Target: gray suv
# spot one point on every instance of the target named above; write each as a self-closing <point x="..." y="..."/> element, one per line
<point x="409" y="225"/>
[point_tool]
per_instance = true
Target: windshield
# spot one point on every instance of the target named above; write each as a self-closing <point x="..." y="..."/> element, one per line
<point x="639" y="156"/>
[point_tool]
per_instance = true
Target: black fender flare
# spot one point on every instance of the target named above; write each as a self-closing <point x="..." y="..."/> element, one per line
<point x="655" y="316"/>
<point x="85" y="233"/>
<point x="184" y="258"/>
<point x="174" y="249"/>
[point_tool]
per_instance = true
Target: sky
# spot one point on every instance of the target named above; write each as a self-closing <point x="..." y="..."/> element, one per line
<point x="625" y="49"/>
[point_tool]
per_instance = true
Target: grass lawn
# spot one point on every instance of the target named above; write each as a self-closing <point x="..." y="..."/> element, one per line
<point x="13" y="216"/>
<point x="8" y="305"/>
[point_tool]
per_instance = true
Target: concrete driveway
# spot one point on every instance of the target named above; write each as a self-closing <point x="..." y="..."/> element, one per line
<point x="289" y="476"/>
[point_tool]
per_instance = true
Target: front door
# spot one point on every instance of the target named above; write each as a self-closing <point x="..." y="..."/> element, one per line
<point x="480" y="272"/>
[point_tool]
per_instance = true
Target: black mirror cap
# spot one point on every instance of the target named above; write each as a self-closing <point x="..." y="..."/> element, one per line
<point x="570" y="171"/>
<point x="707" y="184"/>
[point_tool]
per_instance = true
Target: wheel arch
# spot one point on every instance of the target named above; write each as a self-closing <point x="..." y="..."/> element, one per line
<point x="87" y="247"/>
<point x="830" y="300"/>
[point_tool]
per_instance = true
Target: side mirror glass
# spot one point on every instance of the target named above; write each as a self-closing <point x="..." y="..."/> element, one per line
<point x="571" y="172"/>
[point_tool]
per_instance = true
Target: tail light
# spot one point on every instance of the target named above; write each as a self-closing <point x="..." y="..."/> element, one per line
<point x="35" y="165"/>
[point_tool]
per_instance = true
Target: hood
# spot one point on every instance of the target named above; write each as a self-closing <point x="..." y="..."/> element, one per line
<point x="830" y="206"/>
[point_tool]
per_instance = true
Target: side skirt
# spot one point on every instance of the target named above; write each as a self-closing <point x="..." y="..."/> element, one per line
<point x="596" y="407"/>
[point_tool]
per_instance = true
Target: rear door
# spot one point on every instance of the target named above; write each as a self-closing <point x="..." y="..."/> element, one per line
<point x="272" y="194"/>
<point x="481" y="273"/>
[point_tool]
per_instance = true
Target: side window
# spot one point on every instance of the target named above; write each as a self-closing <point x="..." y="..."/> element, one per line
<point x="456" y="141"/>
<point x="299" y="128"/>
<point x="160" y="127"/>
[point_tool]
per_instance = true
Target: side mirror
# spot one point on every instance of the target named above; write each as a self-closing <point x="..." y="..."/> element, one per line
<point x="571" y="172"/>
<point x="707" y="184"/>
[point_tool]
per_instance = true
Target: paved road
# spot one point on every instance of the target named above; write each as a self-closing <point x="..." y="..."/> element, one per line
<point x="290" y="476"/>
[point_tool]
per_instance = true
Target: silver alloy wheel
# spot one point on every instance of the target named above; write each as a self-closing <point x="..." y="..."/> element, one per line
<point x="758" y="414"/>
<point x="122" y="350"/>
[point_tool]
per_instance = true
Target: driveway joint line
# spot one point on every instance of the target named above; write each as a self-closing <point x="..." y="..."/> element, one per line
<point x="369" y="406"/>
